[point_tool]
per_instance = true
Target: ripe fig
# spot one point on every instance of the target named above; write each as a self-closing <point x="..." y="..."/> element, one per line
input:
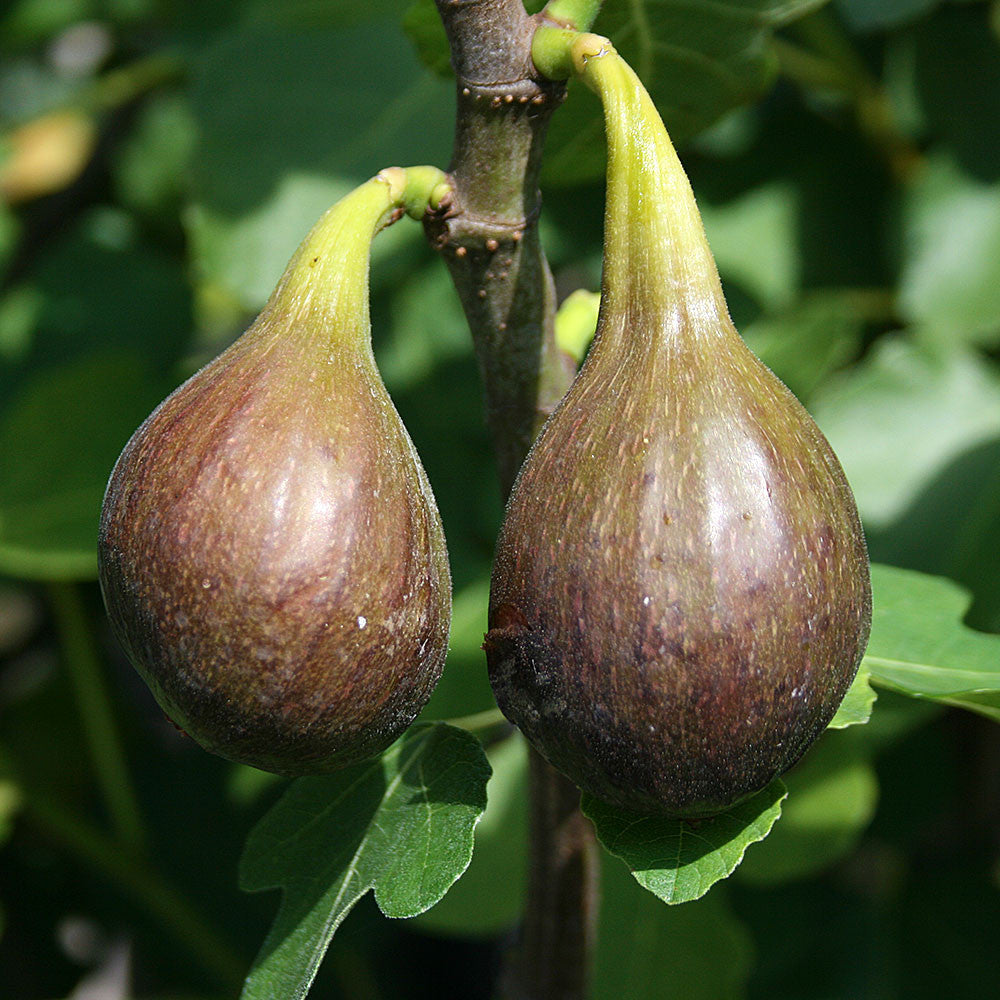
<point x="271" y="555"/>
<point x="681" y="593"/>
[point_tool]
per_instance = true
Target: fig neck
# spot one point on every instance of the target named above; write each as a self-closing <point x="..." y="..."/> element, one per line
<point x="659" y="273"/>
<point x="323" y="294"/>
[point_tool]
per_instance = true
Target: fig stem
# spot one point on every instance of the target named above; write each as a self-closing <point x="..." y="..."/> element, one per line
<point x="101" y="733"/>
<point x="491" y="718"/>
<point x="489" y="241"/>
<point x="550" y="48"/>
<point x="329" y="272"/>
<point x="579" y="14"/>
<point x="489" y="236"/>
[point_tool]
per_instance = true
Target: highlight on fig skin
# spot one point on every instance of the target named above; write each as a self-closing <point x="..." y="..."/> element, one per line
<point x="271" y="554"/>
<point x="681" y="593"/>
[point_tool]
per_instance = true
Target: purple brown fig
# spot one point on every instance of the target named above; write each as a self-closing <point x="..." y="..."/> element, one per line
<point x="681" y="594"/>
<point x="271" y="555"/>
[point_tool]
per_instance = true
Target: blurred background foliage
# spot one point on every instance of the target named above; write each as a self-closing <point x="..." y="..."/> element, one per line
<point x="159" y="161"/>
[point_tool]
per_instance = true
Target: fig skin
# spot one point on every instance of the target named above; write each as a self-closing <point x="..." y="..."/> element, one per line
<point x="271" y="555"/>
<point x="681" y="593"/>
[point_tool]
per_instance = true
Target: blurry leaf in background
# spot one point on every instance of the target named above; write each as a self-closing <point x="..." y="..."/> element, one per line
<point x="9" y="232"/>
<point x="648" y="951"/>
<point x="26" y="23"/>
<point x="816" y="336"/>
<point x="305" y="14"/>
<point x="30" y="90"/>
<point x="153" y="169"/>
<point x="765" y="219"/>
<point x="20" y="618"/>
<point x="59" y="438"/>
<point x="680" y="860"/>
<point x="952" y="528"/>
<point x="244" y="256"/>
<point x="698" y="59"/>
<point x="464" y="686"/>
<point x="105" y="287"/>
<point x="10" y="803"/>
<point x="423" y="27"/>
<point x="401" y="825"/>
<point x="950" y="279"/>
<point x="426" y="326"/>
<point x="958" y="82"/>
<point x="576" y="323"/>
<point x="288" y="121"/>
<point x="88" y="338"/>
<point x="900" y="415"/>
<point x="869" y="15"/>
<point x="20" y="309"/>
<point x="920" y="647"/>
<point x="488" y="899"/>
<point x="832" y="793"/>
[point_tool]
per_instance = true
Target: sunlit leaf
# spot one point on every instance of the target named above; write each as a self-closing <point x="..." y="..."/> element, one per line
<point x="856" y="708"/>
<point x="489" y="898"/>
<point x="951" y="268"/>
<point x="680" y="860"/>
<point x="920" y="647"/>
<point x="401" y="825"/>
<point x="288" y="121"/>
<point x="900" y="416"/>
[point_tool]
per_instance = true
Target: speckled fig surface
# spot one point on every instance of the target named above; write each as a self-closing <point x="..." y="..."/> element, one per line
<point x="681" y="593"/>
<point x="271" y="555"/>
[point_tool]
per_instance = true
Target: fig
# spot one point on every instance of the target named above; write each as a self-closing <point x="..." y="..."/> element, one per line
<point x="271" y="555"/>
<point x="681" y="593"/>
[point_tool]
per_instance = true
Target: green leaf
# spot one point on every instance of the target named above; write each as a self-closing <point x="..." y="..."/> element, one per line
<point x="59" y="438"/>
<point x="20" y="309"/>
<point x="952" y="529"/>
<point x="401" y="825"/>
<point x="897" y="418"/>
<point x="956" y="58"/>
<point x="766" y="218"/>
<point x="288" y="121"/>
<point x="920" y="647"/>
<point x="816" y="336"/>
<point x="244" y="255"/>
<point x="856" y="708"/>
<point x="424" y="28"/>
<point x="464" y="687"/>
<point x="869" y="15"/>
<point x="697" y="58"/>
<point x="307" y="14"/>
<point x="832" y="794"/>
<point x="426" y="329"/>
<point x="489" y="898"/>
<point x="152" y="170"/>
<point x="647" y="951"/>
<point x="950" y="279"/>
<point x="101" y="287"/>
<point x="680" y="860"/>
